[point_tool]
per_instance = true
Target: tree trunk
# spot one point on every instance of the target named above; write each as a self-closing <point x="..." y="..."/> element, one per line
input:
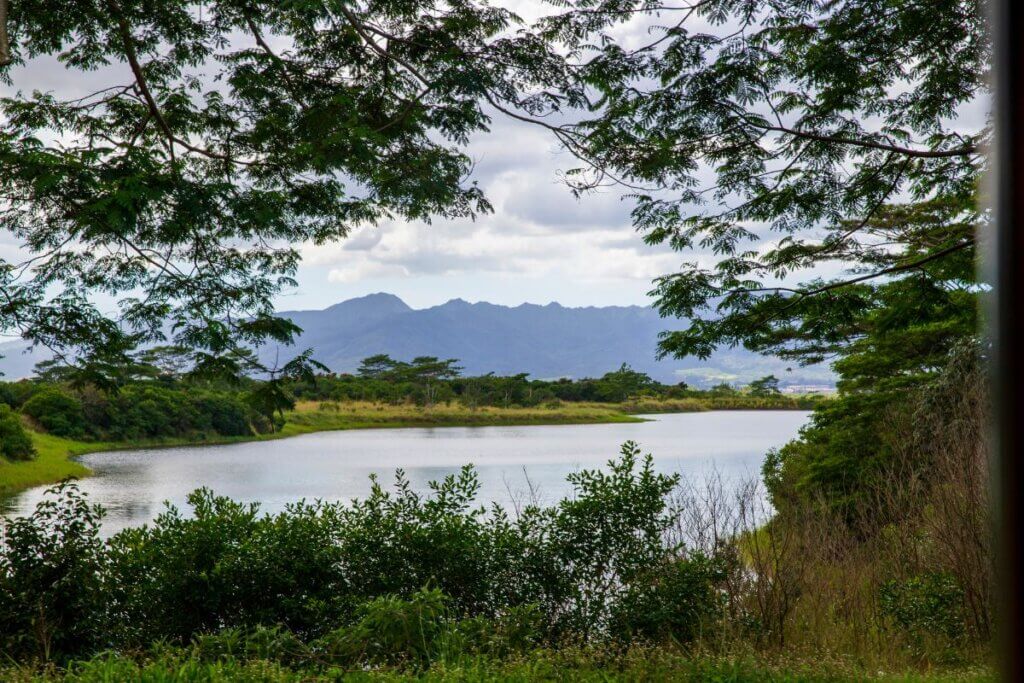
<point x="5" y="45"/>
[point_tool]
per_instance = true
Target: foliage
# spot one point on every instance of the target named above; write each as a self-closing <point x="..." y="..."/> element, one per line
<point x="817" y="120"/>
<point x="928" y="604"/>
<point x="580" y="665"/>
<point x="901" y="342"/>
<point x="52" y="570"/>
<point x="396" y="576"/>
<point x="427" y="381"/>
<point x="15" y="443"/>
<point x="57" y="411"/>
<point x="195" y="192"/>
<point x="390" y="630"/>
<point x="766" y="386"/>
<point x="225" y="566"/>
<point x="681" y="600"/>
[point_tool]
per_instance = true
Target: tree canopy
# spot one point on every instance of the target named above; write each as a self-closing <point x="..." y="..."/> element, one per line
<point x="772" y="136"/>
<point x="785" y="142"/>
<point x="224" y="135"/>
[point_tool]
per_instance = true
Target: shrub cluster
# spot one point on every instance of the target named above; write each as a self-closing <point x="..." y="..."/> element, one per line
<point x="397" y="576"/>
<point x="143" y="410"/>
<point x="15" y="443"/>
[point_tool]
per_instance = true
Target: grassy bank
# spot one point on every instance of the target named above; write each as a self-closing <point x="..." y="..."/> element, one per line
<point x="55" y="455"/>
<point x="640" y="664"/>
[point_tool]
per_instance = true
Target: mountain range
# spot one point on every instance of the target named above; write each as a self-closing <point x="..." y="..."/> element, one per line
<point x="545" y="341"/>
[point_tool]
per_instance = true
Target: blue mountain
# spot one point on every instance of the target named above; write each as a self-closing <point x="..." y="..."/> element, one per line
<point x="545" y="341"/>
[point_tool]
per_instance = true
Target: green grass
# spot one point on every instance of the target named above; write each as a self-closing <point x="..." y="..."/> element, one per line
<point x="52" y="463"/>
<point x="55" y="455"/>
<point x="644" y="664"/>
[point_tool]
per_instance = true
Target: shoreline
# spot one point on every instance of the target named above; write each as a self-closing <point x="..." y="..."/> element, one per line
<point x="57" y="457"/>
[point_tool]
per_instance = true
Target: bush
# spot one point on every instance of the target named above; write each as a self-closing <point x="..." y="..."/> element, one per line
<point x="146" y="412"/>
<point x="14" y="394"/>
<point x="677" y="602"/>
<point x="929" y="604"/>
<point x="315" y="569"/>
<point x="227" y="567"/>
<point x="391" y="630"/>
<point x="15" y="443"/>
<point x="51" y="579"/>
<point x="226" y="414"/>
<point x="58" y="412"/>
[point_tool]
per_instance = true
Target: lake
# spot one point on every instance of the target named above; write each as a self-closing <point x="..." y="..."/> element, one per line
<point x="133" y="485"/>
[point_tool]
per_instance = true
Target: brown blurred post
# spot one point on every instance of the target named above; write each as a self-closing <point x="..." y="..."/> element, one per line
<point x="1006" y="323"/>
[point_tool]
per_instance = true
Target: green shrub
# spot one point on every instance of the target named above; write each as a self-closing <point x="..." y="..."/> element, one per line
<point x="226" y="414"/>
<point x="15" y="443"/>
<point x="495" y="585"/>
<point x="57" y="411"/>
<point x="52" y="602"/>
<point x="14" y="394"/>
<point x="391" y="630"/>
<point x="678" y="601"/>
<point x="148" y="411"/>
<point x="925" y="605"/>
<point x="227" y="567"/>
<point x="271" y="644"/>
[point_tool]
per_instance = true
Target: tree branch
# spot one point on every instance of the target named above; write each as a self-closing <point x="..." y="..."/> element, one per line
<point x="905" y="151"/>
<point x="140" y="78"/>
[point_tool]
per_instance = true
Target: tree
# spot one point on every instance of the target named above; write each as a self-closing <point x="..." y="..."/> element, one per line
<point x="722" y="389"/>
<point x="167" y="362"/>
<point x="380" y="366"/>
<point x="766" y="386"/>
<point x="818" y="121"/>
<point x="622" y="383"/>
<point x="897" y="340"/>
<point x="185" y="197"/>
<point x="430" y="372"/>
<point x="788" y="139"/>
<point x="57" y="411"/>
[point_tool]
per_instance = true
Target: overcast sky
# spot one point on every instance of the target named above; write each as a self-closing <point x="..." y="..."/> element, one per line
<point x="539" y="245"/>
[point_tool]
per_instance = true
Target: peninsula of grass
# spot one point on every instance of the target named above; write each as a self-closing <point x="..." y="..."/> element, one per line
<point x="55" y="459"/>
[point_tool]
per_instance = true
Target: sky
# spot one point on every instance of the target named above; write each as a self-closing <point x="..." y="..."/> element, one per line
<point x="539" y="245"/>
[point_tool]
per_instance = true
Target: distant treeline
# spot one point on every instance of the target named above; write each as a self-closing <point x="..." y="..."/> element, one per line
<point x="427" y="380"/>
<point x="159" y="398"/>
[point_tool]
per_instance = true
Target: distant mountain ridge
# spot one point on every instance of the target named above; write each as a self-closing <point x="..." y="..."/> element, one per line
<point x="546" y="341"/>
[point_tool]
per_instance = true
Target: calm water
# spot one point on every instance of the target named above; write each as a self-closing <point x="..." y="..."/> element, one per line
<point x="134" y="485"/>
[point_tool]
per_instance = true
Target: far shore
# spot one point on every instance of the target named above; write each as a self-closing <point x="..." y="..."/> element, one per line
<point x="56" y="457"/>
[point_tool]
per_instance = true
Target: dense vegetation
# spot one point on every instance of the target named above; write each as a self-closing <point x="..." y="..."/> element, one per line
<point x="831" y="135"/>
<point x="406" y="582"/>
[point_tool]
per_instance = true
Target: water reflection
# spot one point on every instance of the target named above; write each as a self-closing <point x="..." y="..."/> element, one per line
<point x="515" y="464"/>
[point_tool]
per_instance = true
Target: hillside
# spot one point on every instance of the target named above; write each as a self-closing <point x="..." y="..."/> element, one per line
<point x="545" y="341"/>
